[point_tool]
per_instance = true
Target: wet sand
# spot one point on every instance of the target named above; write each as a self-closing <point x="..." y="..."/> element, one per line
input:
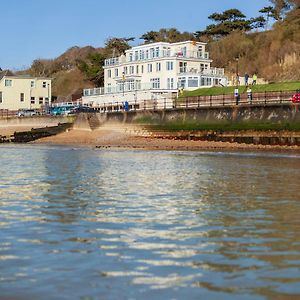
<point x="117" y="137"/>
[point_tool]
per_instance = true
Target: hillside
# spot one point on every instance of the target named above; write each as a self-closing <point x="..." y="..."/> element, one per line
<point x="67" y="78"/>
<point x="273" y="54"/>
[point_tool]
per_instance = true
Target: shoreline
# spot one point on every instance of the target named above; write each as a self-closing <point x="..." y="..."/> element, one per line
<point x="118" y="138"/>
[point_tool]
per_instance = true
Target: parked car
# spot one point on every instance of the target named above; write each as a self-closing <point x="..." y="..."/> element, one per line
<point x="296" y="97"/>
<point x="84" y="109"/>
<point x="27" y="113"/>
<point x="61" y="110"/>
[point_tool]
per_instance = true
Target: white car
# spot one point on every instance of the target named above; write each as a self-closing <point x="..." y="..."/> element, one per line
<point x="26" y="113"/>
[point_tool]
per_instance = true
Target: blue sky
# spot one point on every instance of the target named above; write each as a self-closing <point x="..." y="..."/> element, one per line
<point x="39" y="29"/>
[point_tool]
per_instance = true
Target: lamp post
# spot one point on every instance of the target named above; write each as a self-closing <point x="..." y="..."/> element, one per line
<point x="123" y="79"/>
<point x="237" y="71"/>
<point x="48" y="102"/>
<point x="236" y="91"/>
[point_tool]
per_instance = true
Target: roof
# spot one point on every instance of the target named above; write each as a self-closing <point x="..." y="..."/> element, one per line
<point x="6" y="73"/>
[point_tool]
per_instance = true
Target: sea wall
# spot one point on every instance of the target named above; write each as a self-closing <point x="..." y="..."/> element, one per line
<point x="275" y="113"/>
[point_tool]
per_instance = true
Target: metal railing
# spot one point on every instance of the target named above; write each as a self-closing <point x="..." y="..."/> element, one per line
<point x="148" y="55"/>
<point x="258" y="99"/>
<point x="261" y="98"/>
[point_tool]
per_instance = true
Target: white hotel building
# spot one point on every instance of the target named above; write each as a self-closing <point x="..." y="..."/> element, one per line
<point x="154" y="72"/>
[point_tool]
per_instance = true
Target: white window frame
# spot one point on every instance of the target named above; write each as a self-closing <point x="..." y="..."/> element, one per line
<point x="8" y="83"/>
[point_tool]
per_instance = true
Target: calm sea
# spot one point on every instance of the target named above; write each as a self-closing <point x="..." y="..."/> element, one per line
<point x="79" y="223"/>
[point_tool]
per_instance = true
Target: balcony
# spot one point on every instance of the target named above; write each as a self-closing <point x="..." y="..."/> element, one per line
<point x="215" y="72"/>
<point x="157" y="55"/>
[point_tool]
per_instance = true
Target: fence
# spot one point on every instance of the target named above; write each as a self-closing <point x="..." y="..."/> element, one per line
<point x="264" y="98"/>
<point x="5" y="113"/>
<point x="161" y="104"/>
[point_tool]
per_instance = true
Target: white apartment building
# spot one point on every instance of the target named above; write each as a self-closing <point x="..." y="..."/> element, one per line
<point x="154" y="72"/>
<point x="24" y="92"/>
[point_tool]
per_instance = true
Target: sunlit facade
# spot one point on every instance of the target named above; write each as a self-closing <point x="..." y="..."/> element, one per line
<point x="155" y="71"/>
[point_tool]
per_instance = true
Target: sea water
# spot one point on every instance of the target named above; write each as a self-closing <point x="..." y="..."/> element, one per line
<point x="81" y="223"/>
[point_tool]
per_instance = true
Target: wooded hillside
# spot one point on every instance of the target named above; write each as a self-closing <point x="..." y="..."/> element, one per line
<point x="271" y="51"/>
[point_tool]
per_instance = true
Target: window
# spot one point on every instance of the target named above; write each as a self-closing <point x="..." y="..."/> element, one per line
<point x="147" y="54"/>
<point x="170" y="83"/>
<point x="32" y="84"/>
<point x="131" y="69"/>
<point x="182" y="67"/>
<point x="109" y="73"/>
<point x="125" y="70"/>
<point x="46" y="100"/>
<point x="181" y="82"/>
<point x="142" y="54"/>
<point x="130" y="85"/>
<point x="131" y="56"/>
<point x="193" y="82"/>
<point x="116" y="72"/>
<point x="32" y="100"/>
<point x="41" y="100"/>
<point x="170" y="65"/>
<point x="142" y="69"/>
<point x="109" y="88"/>
<point x="44" y="84"/>
<point x="157" y="52"/>
<point x="22" y="97"/>
<point x="158" y="67"/>
<point x="206" y="81"/>
<point x="151" y="52"/>
<point x="184" y="51"/>
<point x="136" y="55"/>
<point x="138" y="84"/>
<point x="137" y="69"/>
<point x="8" y="82"/>
<point x="1" y="97"/>
<point x="149" y="68"/>
<point x="155" y="83"/>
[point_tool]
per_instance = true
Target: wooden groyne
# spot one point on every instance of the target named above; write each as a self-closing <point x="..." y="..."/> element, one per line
<point x="35" y="133"/>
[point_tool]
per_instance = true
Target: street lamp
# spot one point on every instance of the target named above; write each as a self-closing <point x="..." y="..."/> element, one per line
<point x="123" y="79"/>
<point x="236" y="91"/>
<point x="237" y="71"/>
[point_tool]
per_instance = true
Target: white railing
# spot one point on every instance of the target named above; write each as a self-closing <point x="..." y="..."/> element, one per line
<point x="216" y="72"/>
<point x="161" y="54"/>
<point x="123" y="87"/>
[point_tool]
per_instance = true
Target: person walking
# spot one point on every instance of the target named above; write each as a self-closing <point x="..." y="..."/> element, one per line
<point x="236" y="96"/>
<point x="249" y="95"/>
<point x="246" y="79"/>
<point x="254" y="79"/>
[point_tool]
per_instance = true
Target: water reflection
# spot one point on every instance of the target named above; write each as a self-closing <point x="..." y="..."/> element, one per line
<point x="88" y="224"/>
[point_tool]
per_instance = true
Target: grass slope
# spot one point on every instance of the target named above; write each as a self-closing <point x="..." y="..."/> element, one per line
<point x="271" y="87"/>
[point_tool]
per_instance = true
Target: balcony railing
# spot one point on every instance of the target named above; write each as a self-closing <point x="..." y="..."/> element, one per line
<point x="125" y="87"/>
<point x="156" y="55"/>
<point x="215" y="72"/>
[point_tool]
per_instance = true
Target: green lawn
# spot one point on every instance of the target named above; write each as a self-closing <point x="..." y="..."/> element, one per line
<point x="271" y="87"/>
<point x="225" y="126"/>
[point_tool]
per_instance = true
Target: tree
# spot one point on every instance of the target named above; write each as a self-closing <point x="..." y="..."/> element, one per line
<point x="93" y="68"/>
<point x="171" y="35"/>
<point x="117" y="46"/>
<point x="149" y="37"/>
<point x="259" y="22"/>
<point x="226" y="22"/>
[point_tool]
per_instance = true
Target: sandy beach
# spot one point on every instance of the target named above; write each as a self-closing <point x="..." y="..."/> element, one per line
<point x="133" y="138"/>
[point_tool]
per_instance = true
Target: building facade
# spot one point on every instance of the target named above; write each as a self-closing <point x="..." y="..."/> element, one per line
<point x="24" y="92"/>
<point x="155" y="71"/>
